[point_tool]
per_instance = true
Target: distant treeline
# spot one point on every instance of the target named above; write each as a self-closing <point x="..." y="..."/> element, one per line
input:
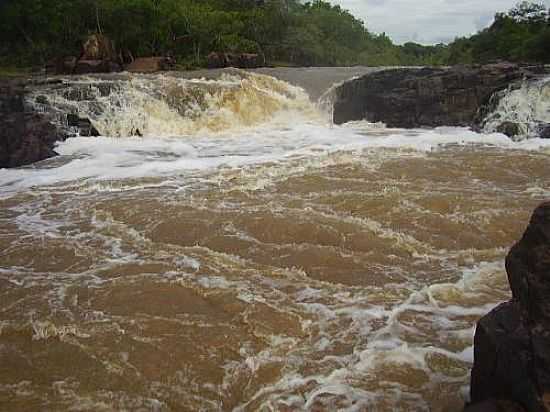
<point x="291" y="32"/>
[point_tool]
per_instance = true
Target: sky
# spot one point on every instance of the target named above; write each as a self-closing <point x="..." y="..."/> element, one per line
<point x="427" y="21"/>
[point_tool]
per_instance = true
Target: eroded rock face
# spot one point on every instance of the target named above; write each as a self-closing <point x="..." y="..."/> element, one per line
<point x="416" y="97"/>
<point x="25" y="137"/>
<point x="28" y="134"/>
<point x="512" y="342"/>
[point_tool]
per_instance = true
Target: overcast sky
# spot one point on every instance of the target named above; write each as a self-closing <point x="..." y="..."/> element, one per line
<point x="426" y="21"/>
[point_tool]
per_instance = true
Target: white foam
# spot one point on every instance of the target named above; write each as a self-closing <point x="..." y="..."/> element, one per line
<point x="105" y="159"/>
<point x="528" y="106"/>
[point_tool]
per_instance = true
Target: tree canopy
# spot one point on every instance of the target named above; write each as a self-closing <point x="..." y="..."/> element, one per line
<point x="289" y="32"/>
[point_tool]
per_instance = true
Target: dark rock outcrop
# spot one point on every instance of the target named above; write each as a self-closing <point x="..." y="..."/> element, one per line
<point x="512" y="342"/>
<point x="544" y="132"/>
<point x="83" y="125"/>
<point x="28" y="133"/>
<point x="25" y="137"/>
<point x="98" y="55"/>
<point x="239" y="60"/>
<point x="416" y="97"/>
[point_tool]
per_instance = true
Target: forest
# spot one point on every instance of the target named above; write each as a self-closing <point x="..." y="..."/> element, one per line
<point x="284" y="32"/>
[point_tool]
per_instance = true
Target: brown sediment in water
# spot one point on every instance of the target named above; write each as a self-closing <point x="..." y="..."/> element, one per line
<point x="244" y="295"/>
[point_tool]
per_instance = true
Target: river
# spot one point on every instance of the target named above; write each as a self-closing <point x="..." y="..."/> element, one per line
<point x="247" y="255"/>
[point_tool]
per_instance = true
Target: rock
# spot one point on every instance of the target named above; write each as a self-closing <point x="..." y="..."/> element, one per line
<point x="494" y="405"/>
<point x="545" y="132"/>
<point x="240" y="60"/>
<point x="61" y="65"/>
<point x="98" y="56"/>
<point x="150" y="64"/>
<point x="416" y="97"/>
<point x="512" y="342"/>
<point x="250" y="61"/>
<point x="26" y="138"/>
<point x="96" y="66"/>
<point x="98" y="47"/>
<point x="83" y="125"/>
<point x="215" y="60"/>
<point x="510" y="129"/>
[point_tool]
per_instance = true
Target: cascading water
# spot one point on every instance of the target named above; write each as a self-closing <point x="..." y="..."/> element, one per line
<point x="526" y="106"/>
<point x="164" y="105"/>
<point x="246" y="255"/>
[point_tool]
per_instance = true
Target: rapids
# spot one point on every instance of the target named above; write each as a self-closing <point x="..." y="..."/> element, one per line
<point x="245" y="254"/>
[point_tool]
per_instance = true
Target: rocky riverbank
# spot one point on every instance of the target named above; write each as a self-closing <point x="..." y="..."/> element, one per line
<point x="429" y="97"/>
<point x="26" y="136"/>
<point x="512" y="342"/>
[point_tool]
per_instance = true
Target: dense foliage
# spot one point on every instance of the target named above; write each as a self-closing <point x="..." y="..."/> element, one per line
<point x="520" y="35"/>
<point x="283" y="31"/>
<point x="313" y="33"/>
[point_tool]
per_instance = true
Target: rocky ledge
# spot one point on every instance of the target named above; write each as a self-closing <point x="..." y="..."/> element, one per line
<point x="417" y="97"/>
<point x="512" y="343"/>
<point x="28" y="135"/>
<point x="25" y="136"/>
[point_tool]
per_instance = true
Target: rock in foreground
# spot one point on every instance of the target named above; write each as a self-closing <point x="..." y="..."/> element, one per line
<point x="512" y="342"/>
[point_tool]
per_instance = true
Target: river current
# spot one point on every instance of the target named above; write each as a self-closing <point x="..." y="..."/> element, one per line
<point x="247" y="255"/>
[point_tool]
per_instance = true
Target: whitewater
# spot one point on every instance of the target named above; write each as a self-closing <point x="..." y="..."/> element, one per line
<point x="246" y="254"/>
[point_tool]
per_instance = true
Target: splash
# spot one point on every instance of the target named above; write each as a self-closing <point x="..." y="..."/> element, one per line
<point x="527" y="106"/>
<point x="165" y="105"/>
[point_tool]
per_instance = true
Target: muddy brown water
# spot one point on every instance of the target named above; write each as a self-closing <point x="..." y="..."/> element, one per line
<point x="341" y="280"/>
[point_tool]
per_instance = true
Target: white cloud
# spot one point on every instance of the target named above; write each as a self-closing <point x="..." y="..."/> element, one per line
<point x="426" y="21"/>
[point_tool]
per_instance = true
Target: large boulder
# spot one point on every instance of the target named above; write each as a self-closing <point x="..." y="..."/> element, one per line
<point x="98" y="55"/>
<point x="512" y="342"/>
<point x="27" y="132"/>
<point x="25" y="137"/>
<point x="98" y="47"/>
<point x="416" y="97"/>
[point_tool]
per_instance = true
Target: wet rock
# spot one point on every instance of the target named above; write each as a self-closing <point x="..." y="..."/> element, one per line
<point x="416" y="97"/>
<point x="510" y="129"/>
<point x="512" y="342"/>
<point x="42" y="99"/>
<point x="150" y="64"/>
<point x="25" y="137"/>
<point x="83" y="125"/>
<point x="545" y="132"/>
